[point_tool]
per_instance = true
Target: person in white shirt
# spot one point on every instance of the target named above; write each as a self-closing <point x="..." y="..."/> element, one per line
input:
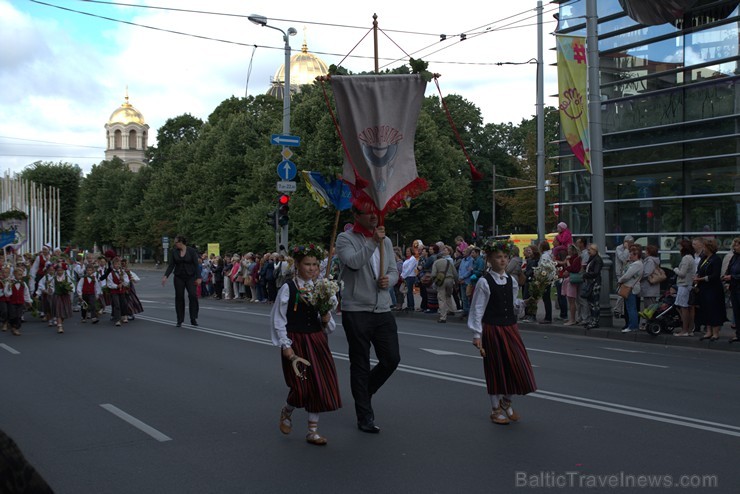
<point x="408" y="274"/>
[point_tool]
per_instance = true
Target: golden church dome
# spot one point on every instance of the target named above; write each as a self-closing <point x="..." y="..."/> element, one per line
<point x="304" y="68"/>
<point x="127" y="114"/>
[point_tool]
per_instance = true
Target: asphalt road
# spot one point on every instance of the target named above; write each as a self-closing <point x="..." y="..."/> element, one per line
<point x="150" y="408"/>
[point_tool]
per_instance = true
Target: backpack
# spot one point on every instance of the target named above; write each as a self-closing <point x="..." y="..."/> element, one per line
<point x="280" y="276"/>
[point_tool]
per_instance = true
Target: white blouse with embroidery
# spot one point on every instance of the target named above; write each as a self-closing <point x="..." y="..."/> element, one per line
<point x="279" y="315"/>
<point x="482" y="293"/>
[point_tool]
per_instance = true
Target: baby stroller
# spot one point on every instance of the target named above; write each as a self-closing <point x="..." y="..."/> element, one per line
<point x="662" y="317"/>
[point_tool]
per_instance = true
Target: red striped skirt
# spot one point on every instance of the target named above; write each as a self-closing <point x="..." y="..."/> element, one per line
<point x="61" y="306"/>
<point x="134" y="304"/>
<point x="506" y="365"/>
<point x="319" y="392"/>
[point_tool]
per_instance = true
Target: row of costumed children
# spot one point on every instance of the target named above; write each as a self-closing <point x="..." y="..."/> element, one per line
<point x="97" y="287"/>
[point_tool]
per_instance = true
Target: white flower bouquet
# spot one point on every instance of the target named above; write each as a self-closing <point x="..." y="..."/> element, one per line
<point x="322" y="294"/>
<point x="544" y="275"/>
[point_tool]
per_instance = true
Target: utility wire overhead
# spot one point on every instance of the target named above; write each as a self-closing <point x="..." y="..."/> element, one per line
<point x="280" y="48"/>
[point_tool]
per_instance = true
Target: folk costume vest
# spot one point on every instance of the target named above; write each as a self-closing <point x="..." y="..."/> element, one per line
<point x="500" y="308"/>
<point x="302" y="317"/>
<point x="16" y="297"/>
<point x="88" y="286"/>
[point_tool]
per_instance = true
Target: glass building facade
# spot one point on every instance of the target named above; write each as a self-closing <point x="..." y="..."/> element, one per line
<point x="670" y="108"/>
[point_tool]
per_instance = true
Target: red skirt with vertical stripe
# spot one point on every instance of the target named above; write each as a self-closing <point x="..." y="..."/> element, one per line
<point x="506" y="364"/>
<point x="319" y="392"/>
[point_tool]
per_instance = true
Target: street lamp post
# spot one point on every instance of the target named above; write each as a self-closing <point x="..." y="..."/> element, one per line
<point x="261" y="20"/>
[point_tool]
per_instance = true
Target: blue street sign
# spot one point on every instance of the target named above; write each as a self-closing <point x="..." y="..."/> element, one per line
<point x="285" y="140"/>
<point x="286" y="170"/>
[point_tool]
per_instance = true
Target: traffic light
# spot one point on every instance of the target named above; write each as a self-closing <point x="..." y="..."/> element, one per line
<point x="272" y="219"/>
<point x="283" y="210"/>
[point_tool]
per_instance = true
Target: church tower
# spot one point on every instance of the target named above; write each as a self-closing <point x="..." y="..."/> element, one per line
<point x="127" y="135"/>
<point x="304" y="68"/>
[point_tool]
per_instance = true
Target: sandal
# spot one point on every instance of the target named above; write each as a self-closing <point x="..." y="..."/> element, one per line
<point x="286" y="425"/>
<point x="498" y="416"/>
<point x="313" y="437"/>
<point x="510" y="413"/>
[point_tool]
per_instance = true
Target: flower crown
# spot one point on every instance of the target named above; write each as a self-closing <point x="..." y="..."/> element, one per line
<point x="312" y="250"/>
<point x="497" y="245"/>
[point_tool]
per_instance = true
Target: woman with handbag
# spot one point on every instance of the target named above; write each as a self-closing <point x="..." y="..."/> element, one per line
<point x="629" y="288"/>
<point x="649" y="291"/>
<point x="685" y="294"/>
<point x="711" y="296"/>
<point x="591" y="288"/>
<point x="570" y="286"/>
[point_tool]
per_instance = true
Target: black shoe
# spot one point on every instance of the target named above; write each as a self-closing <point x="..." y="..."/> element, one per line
<point x="178" y="325"/>
<point x="193" y="322"/>
<point x="368" y="426"/>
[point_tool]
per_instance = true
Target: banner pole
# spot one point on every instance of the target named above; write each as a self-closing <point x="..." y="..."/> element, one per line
<point x="331" y="244"/>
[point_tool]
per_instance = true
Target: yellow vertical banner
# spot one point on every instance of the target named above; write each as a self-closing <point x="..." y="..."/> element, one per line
<point x="572" y="100"/>
<point x="214" y="249"/>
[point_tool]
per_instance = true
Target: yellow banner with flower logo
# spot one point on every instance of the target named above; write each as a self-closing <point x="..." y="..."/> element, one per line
<point x="572" y="100"/>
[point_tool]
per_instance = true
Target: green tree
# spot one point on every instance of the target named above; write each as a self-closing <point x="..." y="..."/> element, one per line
<point x="102" y="198"/>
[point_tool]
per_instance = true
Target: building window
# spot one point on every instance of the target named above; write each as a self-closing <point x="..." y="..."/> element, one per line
<point x="132" y="139"/>
<point x="118" y="140"/>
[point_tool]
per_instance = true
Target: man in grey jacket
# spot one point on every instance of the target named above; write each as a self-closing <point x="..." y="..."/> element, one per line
<point x="366" y="311"/>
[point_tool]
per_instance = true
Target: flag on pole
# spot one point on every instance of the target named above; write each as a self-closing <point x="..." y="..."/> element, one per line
<point x="572" y="96"/>
<point x="377" y="118"/>
<point x="326" y="192"/>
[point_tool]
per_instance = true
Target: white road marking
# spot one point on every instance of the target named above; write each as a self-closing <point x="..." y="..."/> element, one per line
<point x="9" y="349"/>
<point x="136" y="422"/>
<point x="529" y="349"/>
<point x="445" y="353"/>
<point x="621" y="350"/>
<point x="654" y="415"/>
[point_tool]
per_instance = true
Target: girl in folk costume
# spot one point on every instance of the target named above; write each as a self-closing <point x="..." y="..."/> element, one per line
<point x="5" y="279"/>
<point x="301" y="332"/>
<point x="18" y="295"/>
<point x="44" y="294"/>
<point x="89" y="291"/>
<point x="118" y="282"/>
<point x="493" y="316"/>
<point x="61" y="288"/>
<point x="102" y="272"/>
<point x="133" y="303"/>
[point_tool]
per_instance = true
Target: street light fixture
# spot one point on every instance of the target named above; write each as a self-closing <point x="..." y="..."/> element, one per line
<point x="261" y="20"/>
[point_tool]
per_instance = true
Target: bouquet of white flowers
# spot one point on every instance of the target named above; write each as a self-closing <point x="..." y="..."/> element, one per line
<point x="322" y="294"/>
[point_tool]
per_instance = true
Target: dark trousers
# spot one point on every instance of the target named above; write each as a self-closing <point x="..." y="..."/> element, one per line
<point x="15" y="312"/>
<point x="365" y="329"/>
<point x="410" y="301"/>
<point x="119" y="306"/>
<point x="547" y="303"/>
<point x="90" y="299"/>
<point x="562" y="300"/>
<point x="182" y="284"/>
<point x="735" y="299"/>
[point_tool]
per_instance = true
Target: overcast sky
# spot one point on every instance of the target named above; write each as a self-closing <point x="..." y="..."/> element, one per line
<point x="63" y="73"/>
